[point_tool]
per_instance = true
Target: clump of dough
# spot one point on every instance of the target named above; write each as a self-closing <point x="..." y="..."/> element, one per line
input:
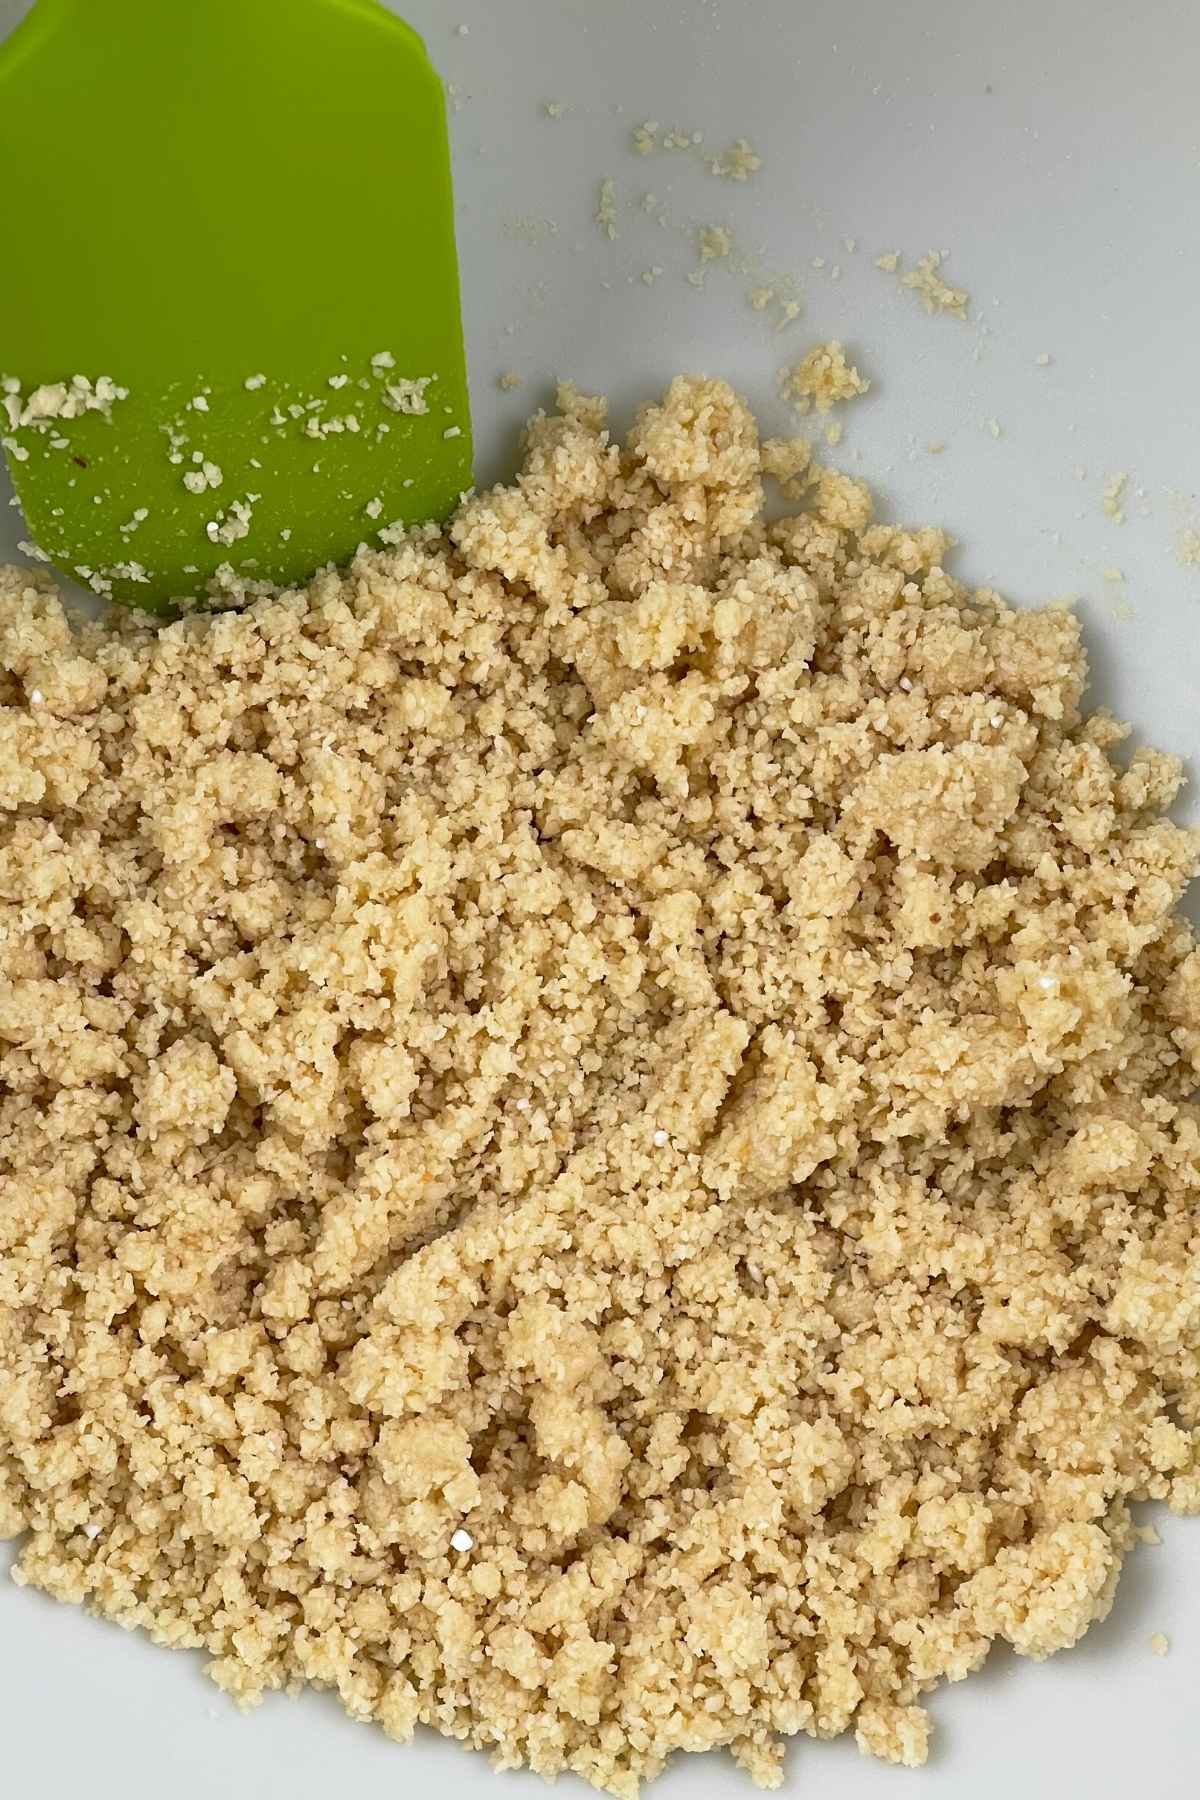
<point x="599" y="1147"/>
<point x="822" y="379"/>
<point x="928" y="283"/>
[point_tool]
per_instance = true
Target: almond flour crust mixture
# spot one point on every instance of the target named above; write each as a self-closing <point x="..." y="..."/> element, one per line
<point x="597" y="1135"/>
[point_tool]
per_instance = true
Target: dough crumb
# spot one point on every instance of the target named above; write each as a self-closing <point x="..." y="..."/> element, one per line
<point x="1160" y="1644"/>
<point x="54" y="403"/>
<point x="925" y="280"/>
<point x="606" y="208"/>
<point x="738" y="163"/>
<point x="600" y="1137"/>
<point x="822" y="379"/>
<point x="714" y="242"/>
<point x="1112" y="498"/>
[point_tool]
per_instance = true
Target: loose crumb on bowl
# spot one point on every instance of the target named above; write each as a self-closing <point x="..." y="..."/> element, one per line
<point x="714" y="242"/>
<point x="1112" y="498"/>
<point x="926" y="281"/>
<point x="823" y="378"/>
<point x="738" y="163"/>
<point x="606" y="208"/>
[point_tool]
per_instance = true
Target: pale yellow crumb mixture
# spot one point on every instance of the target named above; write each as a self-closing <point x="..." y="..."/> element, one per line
<point x="596" y="1139"/>
<point x="822" y="379"/>
<point x="927" y="282"/>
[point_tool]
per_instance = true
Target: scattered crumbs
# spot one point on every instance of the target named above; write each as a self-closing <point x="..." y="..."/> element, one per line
<point x="833" y="433"/>
<point x="554" y="109"/>
<point x="57" y="400"/>
<point x="199" y="403"/>
<point x="648" y="202"/>
<point x="696" y="278"/>
<point x="606" y="208"/>
<point x="320" y="429"/>
<point x="232" y="526"/>
<point x="252" y="383"/>
<point x="201" y="480"/>
<point x="128" y="571"/>
<point x="338" y="382"/>
<point x="850" y="245"/>
<point x="1114" y="489"/>
<point x="818" y="262"/>
<point x="1188" y="549"/>
<point x="714" y="242"/>
<point x="644" y="137"/>
<point x="789" y="312"/>
<point x="678" y="139"/>
<point x="382" y="362"/>
<point x="760" y="298"/>
<point x="994" y="427"/>
<point x="936" y="294"/>
<point x="651" y="275"/>
<point x="374" y="508"/>
<point x="1160" y="1644"/>
<point x="33" y="551"/>
<point x="889" y="262"/>
<point x="936" y="448"/>
<point x="463" y="30"/>
<point x="407" y="395"/>
<point x="452" y="431"/>
<point x="738" y="163"/>
<point x="1112" y="573"/>
<point x="1043" y="359"/>
<point x="508" y="381"/>
<point x="822" y="379"/>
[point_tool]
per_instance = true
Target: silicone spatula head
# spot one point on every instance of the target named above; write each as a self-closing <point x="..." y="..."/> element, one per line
<point x="240" y="213"/>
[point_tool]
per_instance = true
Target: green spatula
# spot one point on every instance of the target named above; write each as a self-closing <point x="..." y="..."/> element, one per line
<point x="239" y="212"/>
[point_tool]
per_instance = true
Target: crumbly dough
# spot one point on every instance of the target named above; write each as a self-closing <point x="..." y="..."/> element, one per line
<point x="597" y="1140"/>
<point x="926" y="281"/>
<point x="935" y="292"/>
<point x="823" y="378"/>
